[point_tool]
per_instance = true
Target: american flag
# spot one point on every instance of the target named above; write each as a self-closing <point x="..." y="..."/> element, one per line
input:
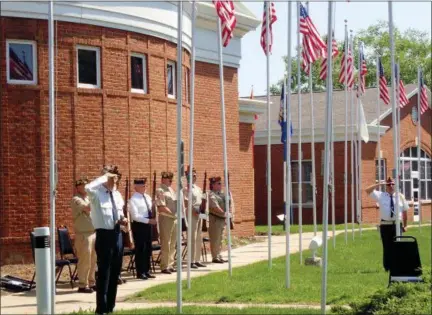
<point x="383" y="89"/>
<point x="272" y="19"/>
<point x="225" y="11"/>
<point x="313" y="46"/>
<point x="335" y="52"/>
<point x="350" y="70"/>
<point x="363" y="69"/>
<point x="424" y="103"/>
<point x="403" y="99"/>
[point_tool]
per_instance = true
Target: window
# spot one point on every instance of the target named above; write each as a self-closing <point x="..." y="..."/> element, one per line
<point x="171" y="79"/>
<point x="88" y="67"/>
<point x="138" y="73"/>
<point x="383" y="171"/>
<point x="414" y="176"/>
<point x="21" y="62"/>
<point x="306" y="185"/>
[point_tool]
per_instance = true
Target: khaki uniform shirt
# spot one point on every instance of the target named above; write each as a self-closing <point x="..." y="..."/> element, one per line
<point x="216" y="199"/>
<point x="197" y="196"/>
<point x="166" y="196"/>
<point x="81" y="218"/>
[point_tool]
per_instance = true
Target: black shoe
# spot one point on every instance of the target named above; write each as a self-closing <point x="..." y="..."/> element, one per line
<point x="85" y="290"/>
<point x="193" y="266"/>
<point x="198" y="264"/>
<point x="93" y="287"/>
<point x="223" y="260"/>
<point x="217" y="261"/>
<point x="149" y="276"/>
<point x="166" y="271"/>
<point x="172" y="269"/>
<point x="142" y="277"/>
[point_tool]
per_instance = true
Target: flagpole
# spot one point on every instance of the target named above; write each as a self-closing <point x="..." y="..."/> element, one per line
<point x="419" y="76"/>
<point x="269" y="183"/>
<point x="332" y="183"/>
<point x="378" y="110"/>
<point x="351" y="49"/>
<point x="346" y="136"/>
<point x="224" y="144"/>
<point x="399" y="103"/>
<point x="299" y="157"/>
<point x="393" y="99"/>
<point x="179" y="140"/>
<point x="312" y="147"/>
<point x="191" y="145"/>
<point x="359" y="151"/>
<point x="52" y="157"/>
<point x="329" y="110"/>
<point x="288" y="155"/>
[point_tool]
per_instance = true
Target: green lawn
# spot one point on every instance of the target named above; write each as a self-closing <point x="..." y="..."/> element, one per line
<point x="278" y="229"/>
<point x="354" y="271"/>
<point x="216" y="310"/>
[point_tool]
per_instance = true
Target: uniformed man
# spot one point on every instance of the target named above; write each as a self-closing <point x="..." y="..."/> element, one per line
<point x="84" y="238"/>
<point x="217" y="217"/>
<point x="166" y="202"/>
<point x="196" y="228"/>
<point x="387" y="208"/>
<point x="107" y="215"/>
<point x="140" y="206"/>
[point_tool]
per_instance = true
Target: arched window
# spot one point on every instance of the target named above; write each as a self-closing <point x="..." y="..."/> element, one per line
<point x="414" y="176"/>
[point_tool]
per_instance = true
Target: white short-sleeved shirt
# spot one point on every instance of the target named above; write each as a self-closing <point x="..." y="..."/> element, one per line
<point x="139" y="209"/>
<point x="383" y="199"/>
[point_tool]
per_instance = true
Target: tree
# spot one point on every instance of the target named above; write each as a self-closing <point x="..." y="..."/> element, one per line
<point x="412" y="49"/>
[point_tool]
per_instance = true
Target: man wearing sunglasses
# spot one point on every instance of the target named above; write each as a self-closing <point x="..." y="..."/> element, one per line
<point x="386" y="201"/>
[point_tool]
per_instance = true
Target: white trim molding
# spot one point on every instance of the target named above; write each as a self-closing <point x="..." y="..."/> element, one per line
<point x="98" y="67"/>
<point x="172" y="64"/>
<point x="143" y="57"/>
<point x="33" y="45"/>
<point x="248" y="108"/>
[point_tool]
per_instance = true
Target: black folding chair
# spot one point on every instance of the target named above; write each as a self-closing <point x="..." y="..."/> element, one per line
<point x="67" y="251"/>
<point x="155" y="247"/>
<point x="204" y="248"/>
<point x="60" y="263"/>
<point x="405" y="265"/>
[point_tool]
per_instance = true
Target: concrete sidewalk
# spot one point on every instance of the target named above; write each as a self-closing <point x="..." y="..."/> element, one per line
<point x="68" y="300"/>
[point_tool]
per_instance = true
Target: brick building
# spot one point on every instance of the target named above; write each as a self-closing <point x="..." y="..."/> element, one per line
<point x="115" y="104"/>
<point x="369" y="159"/>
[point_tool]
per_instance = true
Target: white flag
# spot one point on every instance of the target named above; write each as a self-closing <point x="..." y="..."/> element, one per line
<point x="364" y="134"/>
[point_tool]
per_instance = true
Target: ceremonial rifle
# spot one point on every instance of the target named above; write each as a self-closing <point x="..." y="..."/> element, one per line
<point x="204" y="203"/>
<point x="155" y="234"/>
<point x="230" y="202"/>
<point x="129" y="242"/>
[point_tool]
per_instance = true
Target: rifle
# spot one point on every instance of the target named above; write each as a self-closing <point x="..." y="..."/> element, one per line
<point x="230" y="201"/>
<point x="204" y="203"/>
<point x="155" y="234"/>
<point x="129" y="242"/>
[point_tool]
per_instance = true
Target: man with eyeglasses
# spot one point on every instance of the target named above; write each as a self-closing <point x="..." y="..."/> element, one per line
<point x="166" y="202"/>
<point x="217" y="217"/>
<point x="140" y="205"/>
<point x="386" y="201"/>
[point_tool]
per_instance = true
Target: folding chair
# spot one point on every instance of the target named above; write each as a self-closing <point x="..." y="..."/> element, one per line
<point x="60" y="263"/>
<point x="67" y="251"/>
<point x="155" y="247"/>
<point x="405" y="265"/>
<point x="204" y="248"/>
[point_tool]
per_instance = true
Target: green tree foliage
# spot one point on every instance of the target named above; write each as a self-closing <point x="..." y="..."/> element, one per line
<point x="412" y="49"/>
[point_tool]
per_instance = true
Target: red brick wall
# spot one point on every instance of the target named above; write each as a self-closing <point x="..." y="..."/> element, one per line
<point x="369" y="153"/>
<point x="107" y="126"/>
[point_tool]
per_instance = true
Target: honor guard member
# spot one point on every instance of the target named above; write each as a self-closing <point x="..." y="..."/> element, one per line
<point x="386" y="201"/>
<point x="216" y="218"/>
<point x="84" y="238"/>
<point x="107" y="215"/>
<point x="196" y="228"/>
<point x="140" y="206"/>
<point x="166" y="202"/>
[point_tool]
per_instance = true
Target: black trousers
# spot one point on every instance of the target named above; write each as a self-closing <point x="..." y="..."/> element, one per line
<point x="388" y="232"/>
<point x="109" y="253"/>
<point x="142" y="234"/>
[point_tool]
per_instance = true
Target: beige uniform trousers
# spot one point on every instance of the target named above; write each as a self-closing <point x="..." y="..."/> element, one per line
<point x="215" y="230"/>
<point x="85" y="247"/>
<point x="196" y="238"/>
<point x="167" y="233"/>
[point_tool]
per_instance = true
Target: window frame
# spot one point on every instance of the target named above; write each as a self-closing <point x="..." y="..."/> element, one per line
<point x="34" y="60"/>
<point x="144" y="59"/>
<point x="174" y="74"/>
<point x="98" y="67"/>
<point x="308" y="203"/>
<point x="383" y="173"/>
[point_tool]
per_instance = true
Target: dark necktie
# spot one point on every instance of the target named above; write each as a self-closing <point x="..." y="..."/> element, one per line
<point x="391" y="206"/>
<point x="150" y="214"/>
<point x="114" y="208"/>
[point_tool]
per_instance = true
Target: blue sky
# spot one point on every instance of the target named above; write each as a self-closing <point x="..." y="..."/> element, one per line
<point x="360" y="15"/>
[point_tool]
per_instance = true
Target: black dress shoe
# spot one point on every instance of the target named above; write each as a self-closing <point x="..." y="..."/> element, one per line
<point x="142" y="277"/>
<point x="217" y="261"/>
<point x="166" y="271"/>
<point x="85" y="290"/>
<point x="93" y="287"/>
<point x="172" y="269"/>
<point x="193" y="266"/>
<point x="198" y="264"/>
<point x="150" y="276"/>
